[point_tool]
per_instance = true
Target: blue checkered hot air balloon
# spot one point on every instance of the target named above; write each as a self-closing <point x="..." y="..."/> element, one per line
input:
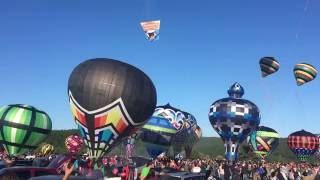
<point x="234" y="119"/>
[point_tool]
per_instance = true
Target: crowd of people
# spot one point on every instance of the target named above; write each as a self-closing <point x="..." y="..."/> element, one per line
<point x="114" y="166"/>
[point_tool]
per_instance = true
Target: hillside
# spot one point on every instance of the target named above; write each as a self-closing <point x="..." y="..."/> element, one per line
<point x="208" y="146"/>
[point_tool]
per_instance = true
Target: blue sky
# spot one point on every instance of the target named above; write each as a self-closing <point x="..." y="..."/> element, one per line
<point x="205" y="46"/>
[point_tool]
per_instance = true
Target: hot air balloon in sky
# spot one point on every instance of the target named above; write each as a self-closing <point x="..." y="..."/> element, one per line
<point x="304" y="73"/>
<point x="23" y="128"/>
<point x="268" y="65"/>
<point x="303" y="144"/>
<point x="157" y="135"/>
<point x="234" y="118"/>
<point x="263" y="141"/>
<point x="109" y="100"/>
<point x="151" y="29"/>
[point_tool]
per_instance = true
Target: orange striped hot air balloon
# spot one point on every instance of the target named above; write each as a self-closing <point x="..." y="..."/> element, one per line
<point x="304" y="73"/>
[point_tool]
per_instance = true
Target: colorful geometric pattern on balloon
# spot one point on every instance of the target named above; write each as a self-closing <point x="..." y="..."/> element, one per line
<point x="108" y="123"/>
<point x="263" y="142"/>
<point x="22" y="128"/>
<point x="234" y="119"/>
<point x="176" y="118"/>
<point x="303" y="144"/>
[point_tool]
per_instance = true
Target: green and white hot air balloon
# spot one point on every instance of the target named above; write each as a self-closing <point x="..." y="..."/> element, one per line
<point x="22" y="128"/>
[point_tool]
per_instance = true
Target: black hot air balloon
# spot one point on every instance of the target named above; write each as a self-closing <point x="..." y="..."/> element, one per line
<point x="109" y="100"/>
<point x="234" y="119"/>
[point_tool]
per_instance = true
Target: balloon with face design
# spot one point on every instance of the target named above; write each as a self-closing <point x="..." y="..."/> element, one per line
<point x="109" y="100"/>
<point x="234" y="118"/>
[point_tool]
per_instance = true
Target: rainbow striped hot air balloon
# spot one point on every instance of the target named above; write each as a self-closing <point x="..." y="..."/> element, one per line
<point x="23" y="128"/>
<point x="268" y="65"/>
<point x="304" y="73"/>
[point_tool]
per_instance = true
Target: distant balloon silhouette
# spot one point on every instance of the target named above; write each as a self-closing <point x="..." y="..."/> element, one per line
<point x="268" y="65"/>
<point x="234" y="119"/>
<point x="109" y="100"/>
<point x="303" y="144"/>
<point x="47" y="149"/>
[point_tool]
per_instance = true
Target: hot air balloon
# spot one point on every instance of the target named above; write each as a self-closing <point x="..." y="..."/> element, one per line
<point x="23" y="128"/>
<point x="47" y="149"/>
<point x="185" y="136"/>
<point x="263" y="141"/>
<point x="109" y="100"/>
<point x="191" y="140"/>
<point x="268" y="65"/>
<point x="173" y="115"/>
<point x="234" y="119"/>
<point x="303" y="144"/>
<point x="73" y="143"/>
<point x="151" y="29"/>
<point x="304" y="73"/>
<point x="177" y="119"/>
<point x="157" y="135"/>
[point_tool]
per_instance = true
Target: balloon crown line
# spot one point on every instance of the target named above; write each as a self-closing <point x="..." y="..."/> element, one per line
<point x="236" y="91"/>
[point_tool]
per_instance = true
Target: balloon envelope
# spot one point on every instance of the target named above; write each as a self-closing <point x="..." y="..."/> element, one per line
<point x="151" y="29"/>
<point x="157" y="135"/>
<point x="109" y="100"/>
<point x="47" y="149"/>
<point x="23" y="128"/>
<point x="263" y="141"/>
<point x="176" y="117"/>
<point x="73" y="143"/>
<point x="304" y="73"/>
<point x="234" y="118"/>
<point x="268" y="65"/>
<point x="193" y="137"/>
<point x="303" y="144"/>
